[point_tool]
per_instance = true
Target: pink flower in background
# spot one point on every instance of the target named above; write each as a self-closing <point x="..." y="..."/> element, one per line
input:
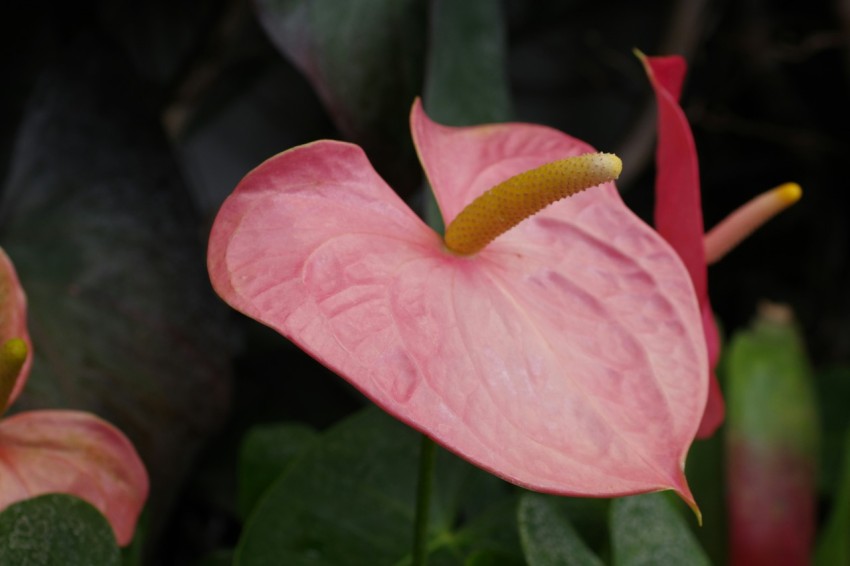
<point x="59" y="451"/>
<point x="567" y="355"/>
<point x="678" y="210"/>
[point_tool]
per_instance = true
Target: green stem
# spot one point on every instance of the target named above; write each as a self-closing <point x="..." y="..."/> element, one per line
<point x="427" y="459"/>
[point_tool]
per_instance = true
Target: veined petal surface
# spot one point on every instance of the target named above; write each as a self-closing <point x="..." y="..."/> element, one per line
<point x="567" y="356"/>
<point x="678" y="208"/>
<point x="76" y="453"/>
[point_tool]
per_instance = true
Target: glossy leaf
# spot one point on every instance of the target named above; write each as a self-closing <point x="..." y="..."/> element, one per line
<point x="678" y="208"/>
<point x="647" y="530"/>
<point x="56" y="530"/>
<point x="350" y="500"/>
<point x="265" y="453"/>
<point x="548" y="538"/>
<point x="108" y="248"/>
<point x="772" y="444"/>
<point x="495" y="356"/>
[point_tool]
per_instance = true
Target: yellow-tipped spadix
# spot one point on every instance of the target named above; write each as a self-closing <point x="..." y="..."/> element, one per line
<point x="746" y="219"/>
<point x="13" y="354"/>
<point x="512" y="201"/>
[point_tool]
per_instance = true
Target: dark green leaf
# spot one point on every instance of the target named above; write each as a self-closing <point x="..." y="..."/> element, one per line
<point x="223" y="557"/>
<point x="548" y="537"/>
<point x="108" y="249"/>
<point x="365" y="60"/>
<point x="265" y="453"/>
<point x="467" y="79"/>
<point x="833" y="388"/>
<point x="833" y="548"/>
<point x="56" y="530"/>
<point x="647" y="530"/>
<point x="350" y="500"/>
<point x="159" y="36"/>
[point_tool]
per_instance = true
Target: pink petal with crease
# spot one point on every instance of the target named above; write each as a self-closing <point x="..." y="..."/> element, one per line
<point x="678" y="209"/>
<point x="75" y="453"/>
<point x="566" y="357"/>
<point x="13" y="318"/>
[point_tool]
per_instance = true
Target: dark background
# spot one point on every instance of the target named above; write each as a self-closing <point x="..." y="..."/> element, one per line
<point x="198" y="94"/>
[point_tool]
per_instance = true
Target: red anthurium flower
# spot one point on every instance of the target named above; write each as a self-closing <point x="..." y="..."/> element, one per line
<point x="59" y="451"/>
<point x="678" y="210"/>
<point x="565" y="355"/>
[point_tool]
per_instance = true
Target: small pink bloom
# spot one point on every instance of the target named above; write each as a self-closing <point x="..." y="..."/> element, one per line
<point x="566" y="356"/>
<point x="59" y="451"/>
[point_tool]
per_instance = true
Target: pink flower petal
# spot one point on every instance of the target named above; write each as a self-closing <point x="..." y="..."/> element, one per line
<point x="566" y="357"/>
<point x="76" y="453"/>
<point x="13" y="318"/>
<point x="678" y="209"/>
<point x="462" y="163"/>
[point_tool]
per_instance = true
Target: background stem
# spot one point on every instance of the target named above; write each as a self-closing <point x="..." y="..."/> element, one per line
<point x="427" y="458"/>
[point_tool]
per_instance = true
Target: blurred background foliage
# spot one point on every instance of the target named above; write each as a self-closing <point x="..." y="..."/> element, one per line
<point x="125" y="125"/>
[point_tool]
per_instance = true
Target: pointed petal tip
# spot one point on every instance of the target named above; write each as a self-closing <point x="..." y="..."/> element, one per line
<point x="684" y="491"/>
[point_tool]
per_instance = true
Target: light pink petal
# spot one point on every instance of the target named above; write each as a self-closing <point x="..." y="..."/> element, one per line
<point x="75" y="453"/>
<point x="13" y="317"/>
<point x="284" y="211"/>
<point x="678" y="209"/>
<point x="462" y="163"/>
<point x="566" y="357"/>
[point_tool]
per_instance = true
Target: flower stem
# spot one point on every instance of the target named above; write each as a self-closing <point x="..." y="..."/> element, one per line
<point x="427" y="459"/>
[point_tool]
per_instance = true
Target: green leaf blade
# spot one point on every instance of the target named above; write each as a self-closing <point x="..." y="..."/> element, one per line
<point x="647" y="530"/>
<point x="548" y="537"/>
<point x="56" y="530"/>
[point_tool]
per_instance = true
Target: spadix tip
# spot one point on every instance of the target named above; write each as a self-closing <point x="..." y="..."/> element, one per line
<point x="788" y="193"/>
<point x="13" y="352"/>
<point x="610" y="164"/>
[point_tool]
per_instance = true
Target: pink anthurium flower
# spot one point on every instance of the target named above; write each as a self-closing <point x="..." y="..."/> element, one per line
<point x="59" y="451"/>
<point x="565" y="355"/>
<point x="678" y="210"/>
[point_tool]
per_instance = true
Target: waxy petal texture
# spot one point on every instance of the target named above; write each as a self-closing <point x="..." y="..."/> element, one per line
<point x="678" y="209"/>
<point x="13" y="318"/>
<point x="76" y="453"/>
<point x="567" y="356"/>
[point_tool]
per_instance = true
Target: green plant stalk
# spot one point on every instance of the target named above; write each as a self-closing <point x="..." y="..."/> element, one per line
<point x="427" y="461"/>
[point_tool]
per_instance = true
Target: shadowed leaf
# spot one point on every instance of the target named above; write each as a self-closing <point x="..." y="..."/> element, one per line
<point x="107" y="246"/>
